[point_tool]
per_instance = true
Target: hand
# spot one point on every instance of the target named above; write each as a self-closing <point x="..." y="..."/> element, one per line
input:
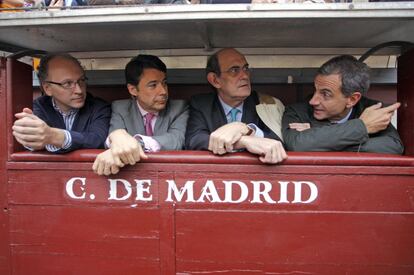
<point x="270" y="150"/>
<point x="30" y="131"/>
<point x="222" y="140"/>
<point x="125" y="147"/>
<point x="376" y="118"/>
<point x="106" y="164"/>
<point x="299" y="126"/>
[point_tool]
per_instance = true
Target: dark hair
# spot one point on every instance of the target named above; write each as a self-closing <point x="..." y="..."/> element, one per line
<point x="354" y="74"/>
<point x="135" y="67"/>
<point x="43" y="69"/>
<point x="213" y="65"/>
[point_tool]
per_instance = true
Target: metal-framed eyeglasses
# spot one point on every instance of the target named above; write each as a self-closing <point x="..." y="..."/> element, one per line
<point x="236" y="70"/>
<point x="69" y="84"/>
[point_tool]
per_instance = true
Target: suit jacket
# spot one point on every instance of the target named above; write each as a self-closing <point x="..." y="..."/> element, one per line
<point x="169" y="127"/>
<point x="207" y="115"/>
<point x="349" y="136"/>
<point x="91" y="124"/>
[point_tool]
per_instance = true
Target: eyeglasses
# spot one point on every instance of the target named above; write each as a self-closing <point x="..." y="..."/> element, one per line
<point x="235" y="71"/>
<point x="70" y="85"/>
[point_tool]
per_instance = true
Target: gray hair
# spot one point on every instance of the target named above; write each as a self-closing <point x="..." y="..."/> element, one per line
<point x="354" y="74"/>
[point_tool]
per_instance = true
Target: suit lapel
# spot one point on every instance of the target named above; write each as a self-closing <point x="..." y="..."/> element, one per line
<point x="133" y="119"/>
<point x="218" y="117"/>
<point x="249" y="110"/>
<point x="161" y="124"/>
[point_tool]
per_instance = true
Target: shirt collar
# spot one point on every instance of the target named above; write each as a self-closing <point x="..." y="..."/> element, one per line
<point x="142" y="111"/>
<point x="345" y="119"/>
<point x="72" y="111"/>
<point x="227" y="107"/>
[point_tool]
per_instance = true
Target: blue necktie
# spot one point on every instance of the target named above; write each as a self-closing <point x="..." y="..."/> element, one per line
<point x="233" y="114"/>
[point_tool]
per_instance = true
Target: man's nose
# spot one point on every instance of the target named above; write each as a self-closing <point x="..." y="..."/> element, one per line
<point x="244" y="74"/>
<point x="163" y="89"/>
<point x="314" y="100"/>
<point x="77" y="89"/>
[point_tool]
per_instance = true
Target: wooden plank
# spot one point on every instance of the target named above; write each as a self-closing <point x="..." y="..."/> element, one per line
<point x="39" y="187"/>
<point x="228" y="240"/>
<point x="53" y="264"/>
<point x="19" y="95"/>
<point x="4" y="216"/>
<point x="290" y="269"/>
<point x="167" y="227"/>
<point x="91" y="235"/>
<point x="405" y="95"/>
<point x="340" y="192"/>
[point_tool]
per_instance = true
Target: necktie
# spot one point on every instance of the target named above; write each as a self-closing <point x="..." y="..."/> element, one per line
<point x="148" y="127"/>
<point x="233" y="114"/>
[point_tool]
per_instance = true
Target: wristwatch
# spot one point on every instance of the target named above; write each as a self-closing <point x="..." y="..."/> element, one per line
<point x="251" y="129"/>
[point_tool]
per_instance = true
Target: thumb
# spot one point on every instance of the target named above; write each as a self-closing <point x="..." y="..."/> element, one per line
<point x="27" y="111"/>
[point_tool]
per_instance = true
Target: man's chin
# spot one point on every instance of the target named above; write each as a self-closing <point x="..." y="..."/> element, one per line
<point x="319" y="116"/>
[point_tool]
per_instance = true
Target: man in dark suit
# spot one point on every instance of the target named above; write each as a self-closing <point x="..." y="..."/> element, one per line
<point x="339" y="117"/>
<point x="148" y="122"/>
<point x="226" y="120"/>
<point x="66" y="118"/>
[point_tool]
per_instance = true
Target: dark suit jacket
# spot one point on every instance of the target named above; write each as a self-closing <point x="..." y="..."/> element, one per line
<point x="349" y="136"/>
<point x="91" y="124"/>
<point x="207" y="114"/>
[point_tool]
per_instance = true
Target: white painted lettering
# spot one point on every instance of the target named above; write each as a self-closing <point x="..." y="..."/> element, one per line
<point x="298" y="191"/>
<point x="283" y="192"/>
<point x="258" y="193"/>
<point x="209" y="192"/>
<point x="113" y="189"/>
<point x="143" y="186"/>
<point x="228" y="186"/>
<point x="179" y="194"/>
<point x="70" y="191"/>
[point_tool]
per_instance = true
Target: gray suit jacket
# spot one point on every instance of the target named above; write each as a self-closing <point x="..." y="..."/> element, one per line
<point x="349" y="136"/>
<point x="169" y="128"/>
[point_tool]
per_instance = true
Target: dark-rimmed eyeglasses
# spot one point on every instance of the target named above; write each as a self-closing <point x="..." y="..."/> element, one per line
<point x="236" y="70"/>
<point x="70" y="85"/>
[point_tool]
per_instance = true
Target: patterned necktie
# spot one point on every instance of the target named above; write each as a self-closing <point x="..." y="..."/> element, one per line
<point x="233" y="114"/>
<point x="148" y="127"/>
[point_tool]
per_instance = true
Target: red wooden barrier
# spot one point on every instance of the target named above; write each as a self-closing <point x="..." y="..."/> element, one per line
<point x="360" y="221"/>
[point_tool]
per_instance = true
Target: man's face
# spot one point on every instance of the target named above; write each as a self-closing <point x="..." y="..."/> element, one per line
<point x="152" y="90"/>
<point x="328" y="101"/>
<point x="233" y="84"/>
<point x="61" y="70"/>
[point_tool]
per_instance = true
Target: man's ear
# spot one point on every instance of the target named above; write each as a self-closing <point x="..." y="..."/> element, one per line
<point x="213" y="80"/>
<point x="353" y="99"/>
<point x="46" y="89"/>
<point x="132" y="89"/>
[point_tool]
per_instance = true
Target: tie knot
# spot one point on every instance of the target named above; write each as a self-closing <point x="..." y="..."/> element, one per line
<point x="233" y="114"/>
<point x="149" y="117"/>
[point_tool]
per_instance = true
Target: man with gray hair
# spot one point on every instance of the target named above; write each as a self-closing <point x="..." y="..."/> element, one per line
<point x="339" y="117"/>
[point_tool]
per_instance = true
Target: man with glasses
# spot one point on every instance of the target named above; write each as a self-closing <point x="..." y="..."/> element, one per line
<point x="227" y="121"/>
<point x="66" y="118"/>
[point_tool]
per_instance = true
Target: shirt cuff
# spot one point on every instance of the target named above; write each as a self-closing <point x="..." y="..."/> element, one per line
<point x="150" y="144"/>
<point x="257" y="131"/>
<point x="67" y="142"/>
